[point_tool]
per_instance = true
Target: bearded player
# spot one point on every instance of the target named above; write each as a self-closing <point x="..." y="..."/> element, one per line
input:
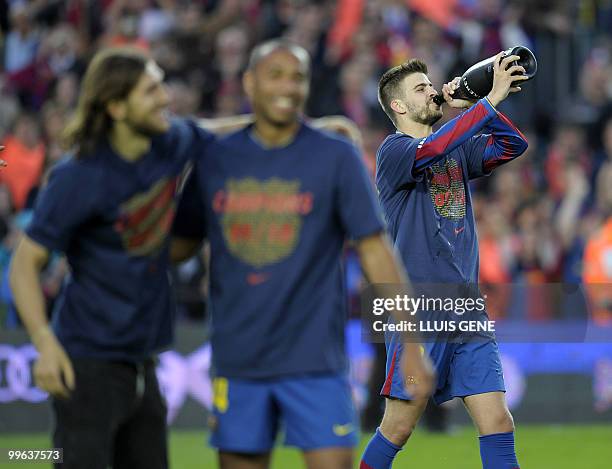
<point x="423" y="183"/>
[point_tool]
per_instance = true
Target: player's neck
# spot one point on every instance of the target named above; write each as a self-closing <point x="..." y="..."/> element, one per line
<point x="129" y="145"/>
<point x="274" y="136"/>
<point x="414" y="129"/>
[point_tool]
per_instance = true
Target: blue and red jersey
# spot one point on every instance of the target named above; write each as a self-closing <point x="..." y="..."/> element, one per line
<point x="423" y="185"/>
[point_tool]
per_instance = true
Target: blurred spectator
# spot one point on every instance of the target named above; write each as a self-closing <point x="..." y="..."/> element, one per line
<point x="12" y="234"/>
<point x="9" y="110"/>
<point x="6" y="205"/>
<point x="354" y="81"/>
<point x="60" y="50"/>
<point x="123" y="24"/>
<point x="4" y="14"/>
<point x="25" y="154"/>
<point x="53" y="122"/>
<point x="440" y="11"/>
<point x="568" y="147"/>
<point x="52" y="276"/>
<point x="534" y="218"/>
<point x="231" y="48"/>
<point x="604" y="153"/>
<point x="551" y="17"/>
<point x="569" y="226"/>
<point x="21" y="41"/>
<point x="597" y="269"/>
<point x="184" y="98"/>
<point x="428" y="43"/>
<point x="598" y="273"/>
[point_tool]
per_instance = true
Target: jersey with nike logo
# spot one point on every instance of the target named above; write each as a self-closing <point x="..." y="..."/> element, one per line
<point x="423" y="187"/>
<point x="276" y="220"/>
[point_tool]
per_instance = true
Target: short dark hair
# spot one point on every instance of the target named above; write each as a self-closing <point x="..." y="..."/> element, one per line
<point x="264" y="49"/>
<point x="388" y="86"/>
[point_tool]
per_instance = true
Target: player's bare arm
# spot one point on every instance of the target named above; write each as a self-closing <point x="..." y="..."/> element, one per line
<point x="381" y="266"/>
<point x="337" y="124"/>
<point x="53" y="370"/>
<point x="340" y="125"/>
<point x="225" y="125"/>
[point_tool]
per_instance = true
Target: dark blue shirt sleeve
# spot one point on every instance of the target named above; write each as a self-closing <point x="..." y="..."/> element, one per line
<point x="186" y="139"/>
<point x="190" y="220"/>
<point x="356" y="203"/>
<point x="395" y="162"/>
<point x="64" y="204"/>
<point x="502" y="143"/>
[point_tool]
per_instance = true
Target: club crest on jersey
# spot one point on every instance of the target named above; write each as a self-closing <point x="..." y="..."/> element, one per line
<point x="261" y="220"/>
<point x="447" y="190"/>
<point x="146" y="218"/>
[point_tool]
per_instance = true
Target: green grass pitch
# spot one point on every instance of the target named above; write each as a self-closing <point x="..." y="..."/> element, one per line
<point x="539" y="447"/>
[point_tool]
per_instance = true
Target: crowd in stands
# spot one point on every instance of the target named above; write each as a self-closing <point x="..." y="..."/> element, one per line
<point x="544" y="218"/>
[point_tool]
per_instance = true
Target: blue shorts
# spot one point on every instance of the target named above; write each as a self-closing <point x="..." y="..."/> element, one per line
<point x="312" y="411"/>
<point x="463" y="369"/>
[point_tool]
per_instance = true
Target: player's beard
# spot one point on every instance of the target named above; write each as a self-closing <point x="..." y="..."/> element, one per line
<point x="424" y="115"/>
<point x="143" y="127"/>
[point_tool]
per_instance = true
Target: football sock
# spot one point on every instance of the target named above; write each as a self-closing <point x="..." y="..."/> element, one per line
<point x="497" y="451"/>
<point x="379" y="453"/>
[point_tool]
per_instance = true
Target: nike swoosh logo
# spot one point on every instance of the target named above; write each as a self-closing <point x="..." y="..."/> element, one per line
<point x="459" y="230"/>
<point x="256" y="279"/>
<point x="343" y="430"/>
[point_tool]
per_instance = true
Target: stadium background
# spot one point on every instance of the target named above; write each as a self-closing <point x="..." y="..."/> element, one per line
<point x="536" y="217"/>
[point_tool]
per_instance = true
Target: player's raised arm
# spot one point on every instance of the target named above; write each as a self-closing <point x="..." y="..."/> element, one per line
<point x="502" y="143"/>
<point x="338" y="124"/>
<point x="225" y="125"/>
<point x="505" y="142"/>
<point x="452" y="134"/>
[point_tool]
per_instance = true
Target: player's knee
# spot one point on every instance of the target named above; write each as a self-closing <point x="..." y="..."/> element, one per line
<point x="243" y="460"/>
<point x="342" y="459"/>
<point x="506" y="422"/>
<point x="332" y="458"/>
<point x="400" y="419"/>
<point x="345" y="461"/>
<point x="501" y="422"/>
<point x="397" y="430"/>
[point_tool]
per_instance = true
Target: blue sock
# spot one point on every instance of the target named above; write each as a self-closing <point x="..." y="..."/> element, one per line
<point x="497" y="451"/>
<point x="379" y="453"/>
